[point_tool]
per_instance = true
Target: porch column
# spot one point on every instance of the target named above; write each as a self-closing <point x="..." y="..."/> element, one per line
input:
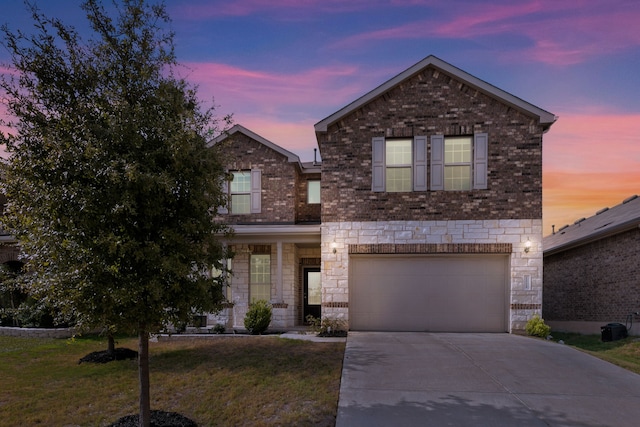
<point x="279" y="297"/>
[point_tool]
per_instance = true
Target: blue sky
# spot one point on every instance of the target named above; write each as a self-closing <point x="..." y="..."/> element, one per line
<point x="282" y="65"/>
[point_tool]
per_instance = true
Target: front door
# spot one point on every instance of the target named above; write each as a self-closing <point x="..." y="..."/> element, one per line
<point x="312" y="292"/>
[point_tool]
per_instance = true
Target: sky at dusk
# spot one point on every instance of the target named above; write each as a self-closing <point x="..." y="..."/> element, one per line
<point x="280" y="66"/>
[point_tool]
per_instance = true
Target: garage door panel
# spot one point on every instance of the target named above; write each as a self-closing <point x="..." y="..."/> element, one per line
<point x="429" y="293"/>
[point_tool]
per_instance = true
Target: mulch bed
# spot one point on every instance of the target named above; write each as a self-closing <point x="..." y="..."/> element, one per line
<point x="105" y="357"/>
<point x="158" y="419"/>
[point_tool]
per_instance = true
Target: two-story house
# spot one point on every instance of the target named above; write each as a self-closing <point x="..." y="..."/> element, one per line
<point x="429" y="215"/>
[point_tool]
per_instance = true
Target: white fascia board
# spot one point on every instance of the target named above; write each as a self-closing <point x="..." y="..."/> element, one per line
<point x="270" y="233"/>
<point x="546" y="118"/>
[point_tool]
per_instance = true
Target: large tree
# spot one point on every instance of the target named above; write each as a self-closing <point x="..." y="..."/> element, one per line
<point x="111" y="185"/>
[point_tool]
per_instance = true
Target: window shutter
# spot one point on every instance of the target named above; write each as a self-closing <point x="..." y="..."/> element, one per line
<point x="225" y="190"/>
<point x="377" y="165"/>
<point x="437" y="162"/>
<point x="420" y="163"/>
<point x="256" y="191"/>
<point x="480" y="157"/>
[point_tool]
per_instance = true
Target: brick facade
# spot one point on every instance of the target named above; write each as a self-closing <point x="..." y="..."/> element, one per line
<point x="596" y="282"/>
<point x="279" y="180"/>
<point x="306" y="212"/>
<point x="430" y="103"/>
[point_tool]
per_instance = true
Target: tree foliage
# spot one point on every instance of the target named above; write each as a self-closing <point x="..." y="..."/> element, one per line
<point x="110" y="182"/>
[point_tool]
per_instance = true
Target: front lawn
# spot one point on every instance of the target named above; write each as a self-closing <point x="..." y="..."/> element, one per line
<point x="624" y="353"/>
<point x="221" y="381"/>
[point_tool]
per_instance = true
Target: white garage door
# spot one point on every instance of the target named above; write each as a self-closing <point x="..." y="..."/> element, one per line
<point x="452" y="293"/>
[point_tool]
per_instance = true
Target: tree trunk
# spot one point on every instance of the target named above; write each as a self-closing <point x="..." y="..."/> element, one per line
<point x="143" y="375"/>
<point x="111" y="345"/>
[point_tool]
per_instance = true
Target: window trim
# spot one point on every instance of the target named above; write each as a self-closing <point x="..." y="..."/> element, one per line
<point x="479" y="166"/>
<point x="255" y="193"/>
<point x="418" y="163"/>
<point x="261" y="284"/>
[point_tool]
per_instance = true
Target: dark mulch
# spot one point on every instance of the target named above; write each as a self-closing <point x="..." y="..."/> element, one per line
<point x="158" y="419"/>
<point x="105" y="357"/>
<point x="340" y="334"/>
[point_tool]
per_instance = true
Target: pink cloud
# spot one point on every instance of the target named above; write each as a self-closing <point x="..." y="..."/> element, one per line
<point x="285" y="9"/>
<point x="560" y="33"/>
<point x="271" y="94"/>
<point x="297" y="137"/>
<point x="590" y="162"/>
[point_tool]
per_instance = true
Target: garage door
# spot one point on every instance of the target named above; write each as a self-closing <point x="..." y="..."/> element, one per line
<point x="457" y="293"/>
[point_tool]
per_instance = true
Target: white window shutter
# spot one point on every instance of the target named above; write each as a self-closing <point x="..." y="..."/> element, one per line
<point x="437" y="162"/>
<point x="480" y="160"/>
<point x="256" y="191"/>
<point x="420" y="163"/>
<point x="225" y="190"/>
<point x="377" y="164"/>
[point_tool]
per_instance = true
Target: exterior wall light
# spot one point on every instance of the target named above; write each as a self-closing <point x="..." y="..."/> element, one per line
<point x="527" y="246"/>
<point x="334" y="245"/>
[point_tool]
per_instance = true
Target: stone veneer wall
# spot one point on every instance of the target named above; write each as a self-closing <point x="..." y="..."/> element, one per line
<point x="37" y="332"/>
<point x="284" y="306"/>
<point x="524" y="303"/>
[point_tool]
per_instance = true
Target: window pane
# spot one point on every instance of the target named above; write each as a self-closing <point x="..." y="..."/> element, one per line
<point x="241" y="182"/>
<point x="398" y="152"/>
<point x="260" y="277"/>
<point x="314" y="288"/>
<point x="398" y="179"/>
<point x="261" y="268"/>
<point x="260" y="291"/>
<point x="457" y="178"/>
<point x="457" y="150"/>
<point x="240" y="203"/>
<point x="313" y="192"/>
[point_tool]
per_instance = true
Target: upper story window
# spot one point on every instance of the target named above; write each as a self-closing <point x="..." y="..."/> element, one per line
<point x="398" y="163"/>
<point x="241" y="192"/>
<point x="456" y="163"/>
<point x="313" y="192"/>
<point x="245" y="192"/>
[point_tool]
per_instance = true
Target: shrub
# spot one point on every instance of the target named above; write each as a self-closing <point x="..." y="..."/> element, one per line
<point x="332" y="327"/>
<point x="219" y="328"/>
<point x="327" y="326"/>
<point x="314" y="323"/>
<point x="258" y="317"/>
<point x="537" y="328"/>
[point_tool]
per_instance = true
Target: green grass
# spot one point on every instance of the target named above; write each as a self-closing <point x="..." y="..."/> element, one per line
<point x="222" y="381"/>
<point x="624" y="353"/>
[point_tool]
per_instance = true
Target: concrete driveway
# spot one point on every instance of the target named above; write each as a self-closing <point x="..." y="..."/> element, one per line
<point x="445" y="379"/>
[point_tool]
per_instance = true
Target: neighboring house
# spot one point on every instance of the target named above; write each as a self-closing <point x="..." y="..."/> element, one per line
<point x="430" y="216"/>
<point x="592" y="270"/>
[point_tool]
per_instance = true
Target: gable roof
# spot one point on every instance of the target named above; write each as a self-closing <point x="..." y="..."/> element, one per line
<point x="606" y="222"/>
<point x="307" y="167"/>
<point x="546" y="118"/>
<point x="275" y="147"/>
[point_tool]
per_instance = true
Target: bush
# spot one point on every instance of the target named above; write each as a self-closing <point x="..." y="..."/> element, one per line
<point x="258" y="317"/>
<point x="327" y="326"/>
<point x="219" y="328"/>
<point x="537" y="328"/>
